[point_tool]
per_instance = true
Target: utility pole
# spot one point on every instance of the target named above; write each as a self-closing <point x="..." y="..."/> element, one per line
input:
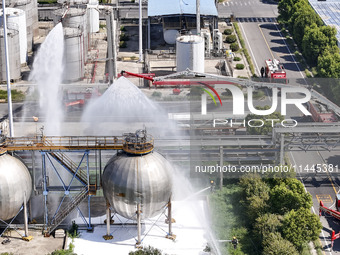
<point x="140" y="32"/>
<point x="9" y="95"/>
<point x="198" y="17"/>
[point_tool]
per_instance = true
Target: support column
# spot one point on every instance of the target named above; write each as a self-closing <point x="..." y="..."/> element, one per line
<point x="108" y="235"/>
<point x="45" y="193"/>
<point x="139" y="226"/>
<point x="140" y="31"/>
<point x="221" y="165"/>
<point x="25" y="216"/>
<point x="89" y="228"/>
<point x="149" y="34"/>
<point x="170" y="235"/>
<point x="282" y="144"/>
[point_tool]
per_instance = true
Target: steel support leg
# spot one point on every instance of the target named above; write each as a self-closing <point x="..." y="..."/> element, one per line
<point x="45" y="192"/>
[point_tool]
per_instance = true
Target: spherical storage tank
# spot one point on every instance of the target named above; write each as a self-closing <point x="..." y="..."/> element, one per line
<point x="17" y="18"/>
<point x="15" y="180"/>
<point x="128" y="180"/>
<point x="190" y="53"/>
<point x="13" y="52"/>
<point x="74" y="57"/>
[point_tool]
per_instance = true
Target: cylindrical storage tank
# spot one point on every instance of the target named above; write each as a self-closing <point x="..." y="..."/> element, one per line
<point x="76" y="18"/>
<point x="190" y="53"/>
<point x="30" y="7"/>
<point x="128" y="180"/>
<point x="15" y="181"/>
<point x="13" y="54"/>
<point x="170" y="35"/>
<point x="93" y="16"/>
<point x="74" y="57"/>
<point x="17" y="18"/>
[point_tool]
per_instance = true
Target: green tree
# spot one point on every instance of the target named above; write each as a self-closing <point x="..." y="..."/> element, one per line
<point x="255" y="196"/>
<point x="303" y="18"/>
<point x="267" y="125"/>
<point x="266" y="224"/>
<point x="329" y="64"/>
<point x="276" y="245"/>
<point x="313" y="43"/>
<point x="69" y="251"/>
<point x="288" y="195"/>
<point x="301" y="226"/>
<point x="146" y="251"/>
<point x="285" y="9"/>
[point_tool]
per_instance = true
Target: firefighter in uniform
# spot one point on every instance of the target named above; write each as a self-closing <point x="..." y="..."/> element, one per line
<point x="234" y="242"/>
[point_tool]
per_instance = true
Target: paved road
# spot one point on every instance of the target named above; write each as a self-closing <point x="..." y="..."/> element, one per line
<point x="247" y="8"/>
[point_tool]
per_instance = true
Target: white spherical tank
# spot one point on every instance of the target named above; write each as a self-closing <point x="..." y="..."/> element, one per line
<point x="170" y="35"/>
<point x="13" y="52"/>
<point x="190" y="53"/>
<point x="30" y="7"/>
<point x="17" y="18"/>
<point x="15" y="181"/>
<point x="131" y="179"/>
<point x="74" y="59"/>
<point x="93" y="15"/>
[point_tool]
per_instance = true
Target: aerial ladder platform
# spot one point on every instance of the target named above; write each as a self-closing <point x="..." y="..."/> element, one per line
<point x="334" y="213"/>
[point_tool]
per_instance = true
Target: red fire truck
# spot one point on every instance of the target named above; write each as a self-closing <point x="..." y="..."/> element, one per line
<point x="333" y="213"/>
<point x="275" y="71"/>
<point x="78" y="99"/>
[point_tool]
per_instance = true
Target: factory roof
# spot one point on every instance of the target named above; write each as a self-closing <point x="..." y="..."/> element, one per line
<point x="329" y="12"/>
<point x="180" y="7"/>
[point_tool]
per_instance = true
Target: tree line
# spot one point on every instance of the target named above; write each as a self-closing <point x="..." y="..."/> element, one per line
<point x="317" y="42"/>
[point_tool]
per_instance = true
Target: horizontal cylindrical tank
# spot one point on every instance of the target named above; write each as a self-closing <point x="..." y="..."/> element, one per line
<point x="128" y="180"/>
<point x="170" y="35"/>
<point x="190" y="53"/>
<point x="13" y="54"/>
<point x="15" y="181"/>
<point x="93" y="13"/>
<point x="74" y="57"/>
<point x="30" y="7"/>
<point x="17" y="18"/>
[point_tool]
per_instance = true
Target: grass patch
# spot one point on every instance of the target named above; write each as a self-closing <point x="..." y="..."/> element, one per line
<point x="245" y="51"/>
<point x="17" y="96"/>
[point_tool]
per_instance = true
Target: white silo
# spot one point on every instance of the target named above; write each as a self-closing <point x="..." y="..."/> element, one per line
<point x="74" y="58"/>
<point x="93" y="13"/>
<point x="190" y="53"/>
<point x="75" y="18"/>
<point x="13" y="52"/>
<point x="30" y="7"/>
<point x="17" y="18"/>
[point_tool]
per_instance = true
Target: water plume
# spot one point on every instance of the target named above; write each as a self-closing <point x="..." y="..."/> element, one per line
<point x="47" y="73"/>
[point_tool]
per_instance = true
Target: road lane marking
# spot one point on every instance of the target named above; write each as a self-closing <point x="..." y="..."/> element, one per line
<point x="265" y="40"/>
<point x="323" y="234"/>
<point x="292" y="56"/>
<point x="251" y="52"/>
<point x="324" y="198"/>
<point x="329" y="177"/>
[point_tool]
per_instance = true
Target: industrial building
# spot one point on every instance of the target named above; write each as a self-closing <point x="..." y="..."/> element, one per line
<point x="329" y="13"/>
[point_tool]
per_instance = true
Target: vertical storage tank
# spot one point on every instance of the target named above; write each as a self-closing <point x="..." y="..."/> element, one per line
<point x="190" y="53"/>
<point x="13" y="52"/>
<point x="30" y="7"/>
<point x="17" y="18"/>
<point x="15" y="181"/>
<point x="93" y="16"/>
<point x="75" y="18"/>
<point x="74" y="57"/>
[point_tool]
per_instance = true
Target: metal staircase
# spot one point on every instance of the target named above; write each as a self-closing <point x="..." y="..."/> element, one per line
<point x="61" y="215"/>
<point x="69" y="164"/>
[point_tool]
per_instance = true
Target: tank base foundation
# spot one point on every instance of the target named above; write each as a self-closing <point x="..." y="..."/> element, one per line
<point x="27" y="238"/>
<point x="108" y="237"/>
<point x="171" y="237"/>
